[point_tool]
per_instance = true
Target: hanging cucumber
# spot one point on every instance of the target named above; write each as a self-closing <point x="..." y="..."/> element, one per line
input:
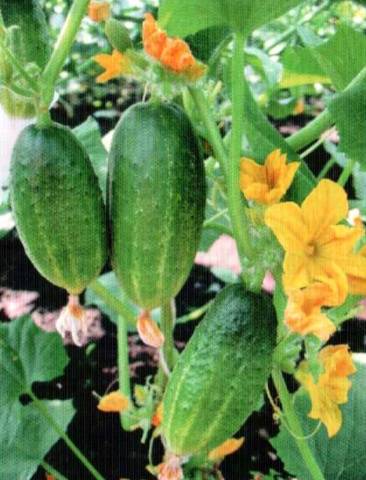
<point x="29" y="41"/>
<point x="157" y="200"/>
<point x="58" y="208"/>
<point x="32" y="43"/>
<point x="219" y="378"/>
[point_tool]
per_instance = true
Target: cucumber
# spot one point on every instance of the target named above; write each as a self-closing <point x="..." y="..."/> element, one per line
<point x="219" y="378"/>
<point x="58" y="207"/>
<point x="156" y="201"/>
<point x="29" y="41"/>
<point x="32" y="43"/>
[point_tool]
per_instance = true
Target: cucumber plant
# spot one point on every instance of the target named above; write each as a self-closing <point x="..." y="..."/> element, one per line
<point x="187" y="131"/>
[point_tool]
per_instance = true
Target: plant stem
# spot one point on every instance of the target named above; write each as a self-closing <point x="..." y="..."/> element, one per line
<point x="234" y="195"/>
<point x="70" y="444"/>
<point x="211" y="127"/>
<point x="347" y="172"/>
<point x="326" y="168"/>
<point x="322" y="122"/>
<point x="123" y="368"/>
<point x="52" y="471"/>
<point x="167" y="322"/>
<point x="113" y="302"/>
<point x="62" y="50"/>
<point x="311" y="131"/>
<point x="295" y="425"/>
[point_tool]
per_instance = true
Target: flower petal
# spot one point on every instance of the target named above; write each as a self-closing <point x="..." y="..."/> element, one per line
<point x="326" y="205"/>
<point x="287" y="223"/>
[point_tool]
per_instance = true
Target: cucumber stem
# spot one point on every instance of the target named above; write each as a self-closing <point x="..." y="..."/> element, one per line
<point x="70" y="444"/>
<point x="235" y="199"/>
<point x="61" y="50"/>
<point x="211" y="127"/>
<point x="113" y="302"/>
<point x="52" y="471"/>
<point x="322" y="122"/>
<point x="167" y="322"/>
<point x="295" y="425"/>
<point x="347" y="172"/>
<point x="123" y="368"/>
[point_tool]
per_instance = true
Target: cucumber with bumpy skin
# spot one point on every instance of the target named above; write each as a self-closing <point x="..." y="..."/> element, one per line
<point x="32" y="43"/>
<point x="219" y="378"/>
<point x="157" y="200"/>
<point x="29" y="41"/>
<point x="58" y="206"/>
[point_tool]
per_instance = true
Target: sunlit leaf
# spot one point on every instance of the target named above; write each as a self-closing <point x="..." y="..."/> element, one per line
<point x="185" y="17"/>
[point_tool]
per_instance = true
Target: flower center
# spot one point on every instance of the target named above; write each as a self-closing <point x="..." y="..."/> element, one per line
<point x="310" y="249"/>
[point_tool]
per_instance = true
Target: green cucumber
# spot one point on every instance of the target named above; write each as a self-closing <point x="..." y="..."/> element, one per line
<point x="219" y="378"/>
<point x="32" y="43"/>
<point x="29" y="41"/>
<point x="58" y="206"/>
<point x="157" y="200"/>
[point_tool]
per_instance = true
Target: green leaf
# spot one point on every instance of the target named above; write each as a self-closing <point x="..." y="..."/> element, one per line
<point x="27" y="355"/>
<point x="300" y="67"/>
<point x="204" y="43"/>
<point x="348" y="110"/>
<point x="343" y="56"/>
<point x="26" y="437"/>
<point x="89" y="135"/>
<point x="341" y="457"/>
<point x="185" y="17"/>
<point x="327" y="62"/>
<point x="109" y="281"/>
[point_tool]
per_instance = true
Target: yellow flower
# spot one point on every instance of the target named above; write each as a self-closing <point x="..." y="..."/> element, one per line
<point x="226" y="448"/>
<point x="268" y="183"/>
<point x="303" y="313"/>
<point x="113" y="402"/>
<point x="99" y="11"/>
<point x="332" y="387"/>
<point x="173" y="53"/>
<point x="316" y="247"/>
<point x="115" y="65"/>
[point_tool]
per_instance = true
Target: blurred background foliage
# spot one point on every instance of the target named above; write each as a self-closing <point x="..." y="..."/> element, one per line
<point x="271" y="51"/>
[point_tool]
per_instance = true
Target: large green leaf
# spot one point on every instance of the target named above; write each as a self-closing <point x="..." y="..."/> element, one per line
<point x="348" y="110"/>
<point x="300" y="67"/>
<point x="342" y="457"/>
<point x="335" y="61"/>
<point x="89" y="135"/>
<point x="185" y="17"/>
<point x="26" y="438"/>
<point x="343" y="56"/>
<point x="27" y="354"/>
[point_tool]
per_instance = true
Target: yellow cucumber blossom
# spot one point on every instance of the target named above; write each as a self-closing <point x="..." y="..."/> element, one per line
<point x="226" y="448"/>
<point x="99" y="11"/>
<point x="267" y="184"/>
<point x="113" y="402"/>
<point x="115" y="65"/>
<point x="303" y="313"/>
<point x="332" y="387"/>
<point x="316" y="247"/>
